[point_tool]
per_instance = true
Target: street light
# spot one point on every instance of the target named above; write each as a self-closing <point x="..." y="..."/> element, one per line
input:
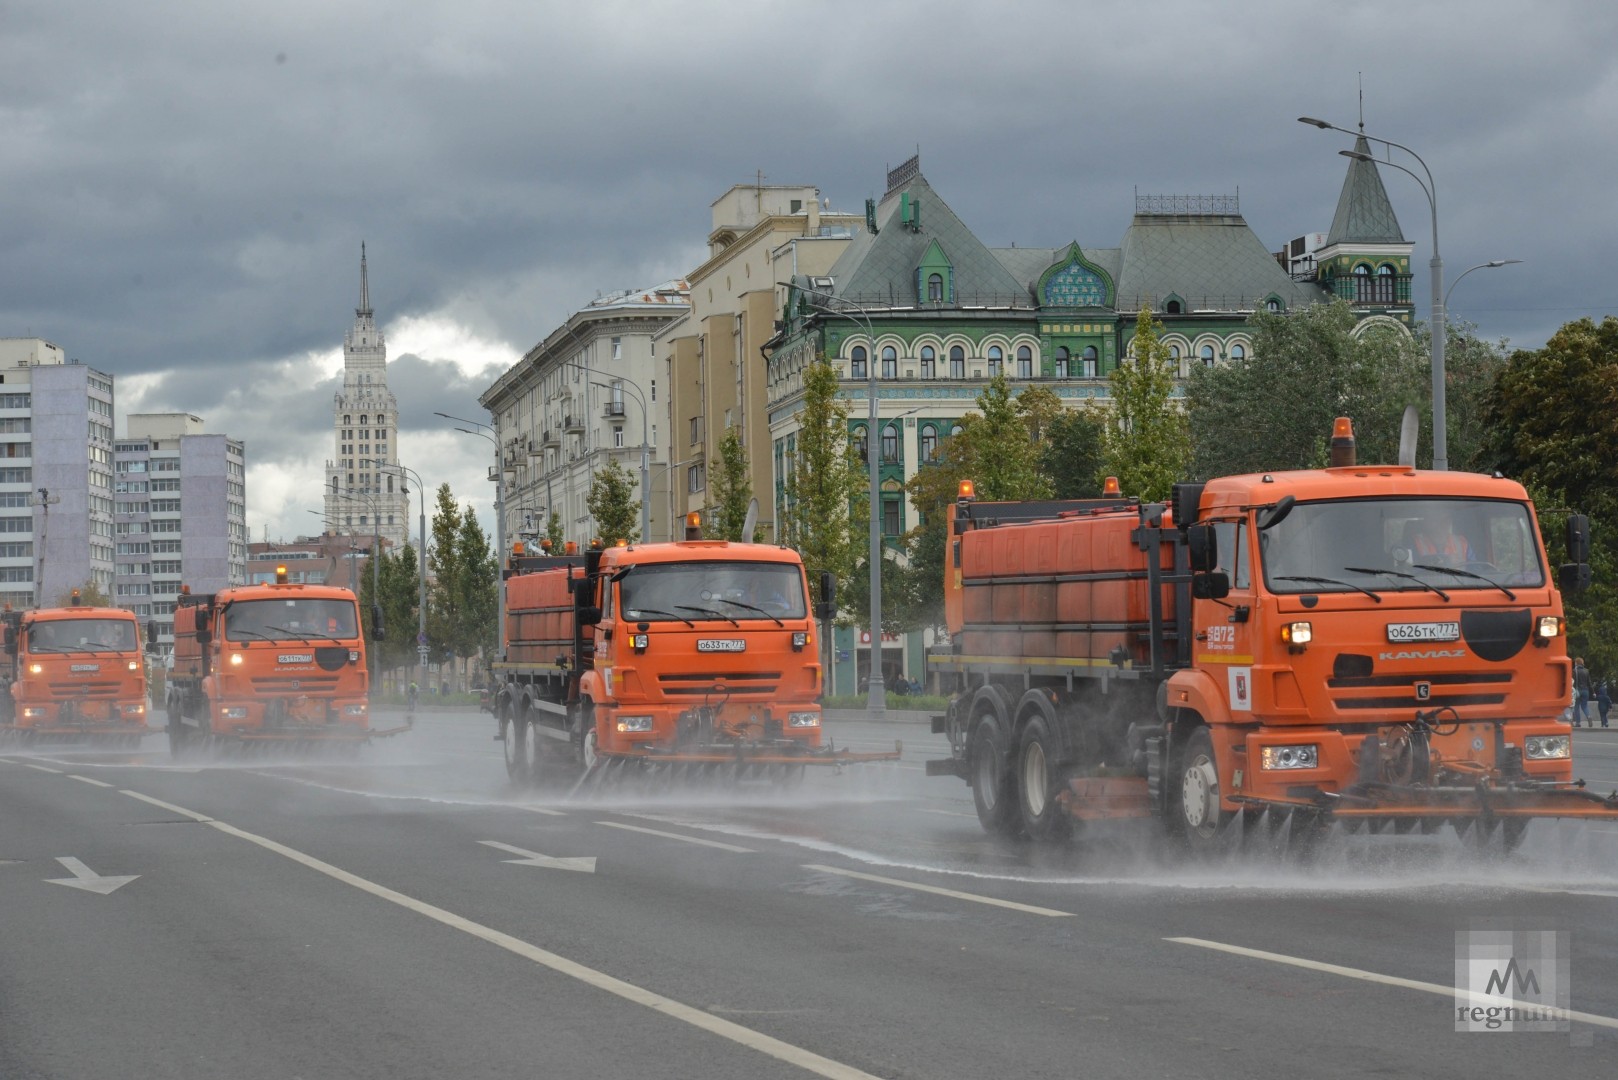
<point x="1490" y="265"/>
<point x="1439" y="325"/>
<point x="876" y="701"/>
<point x="499" y="517"/>
<point x="421" y="557"/>
<point x="646" y="491"/>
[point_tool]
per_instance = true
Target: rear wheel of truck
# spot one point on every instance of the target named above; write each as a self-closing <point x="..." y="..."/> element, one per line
<point x="1201" y="820"/>
<point x="993" y="789"/>
<point x="516" y="742"/>
<point x="1039" y="781"/>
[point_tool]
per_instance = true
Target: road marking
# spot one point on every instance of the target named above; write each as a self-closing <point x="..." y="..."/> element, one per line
<point x="583" y="864"/>
<point x="87" y="780"/>
<point x="973" y="897"/>
<point x="1369" y="976"/>
<point x="182" y="811"/>
<point x="87" y="879"/>
<point x="1568" y="891"/>
<point x="676" y="836"/>
<point x="698" y="1018"/>
<point x="541" y="810"/>
<point x="42" y="768"/>
<point x="946" y="813"/>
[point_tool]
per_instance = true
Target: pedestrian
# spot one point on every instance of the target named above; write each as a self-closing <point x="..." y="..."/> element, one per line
<point x="1603" y="701"/>
<point x="1581" y="692"/>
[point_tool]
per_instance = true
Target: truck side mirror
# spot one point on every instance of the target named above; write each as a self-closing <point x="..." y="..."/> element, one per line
<point x="204" y="628"/>
<point x="11" y="643"/>
<point x="1213" y="585"/>
<point x="151" y="637"/>
<point x="378" y="633"/>
<point x="1573" y="576"/>
<point x="827" y="607"/>
<point x="1202" y="547"/>
<point x="589" y="616"/>
<point x="1578" y="538"/>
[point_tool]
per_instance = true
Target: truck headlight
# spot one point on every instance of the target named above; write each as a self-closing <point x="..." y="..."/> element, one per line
<point x="35" y="711"/>
<point x="803" y="719"/>
<point x="353" y="656"/>
<point x="134" y="710"/>
<point x="354" y="710"/>
<point x="134" y="665"/>
<point x="235" y="659"/>
<point x="634" y="723"/>
<point x="800" y="639"/>
<point x="36" y="669"/>
<point x="1290" y="757"/>
<point x="233" y="712"/>
<point x="1547" y="747"/>
<point x="1297" y="633"/>
<point x="1549" y="626"/>
<point x="640" y="641"/>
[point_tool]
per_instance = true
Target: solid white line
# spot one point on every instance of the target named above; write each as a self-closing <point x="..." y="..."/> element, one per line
<point x="725" y="1029"/>
<point x="946" y="813"/>
<point x="87" y="780"/>
<point x="42" y="768"/>
<point x="676" y="836"/>
<point x="182" y="811"/>
<point x="1367" y="976"/>
<point x="541" y="810"/>
<point x="974" y="897"/>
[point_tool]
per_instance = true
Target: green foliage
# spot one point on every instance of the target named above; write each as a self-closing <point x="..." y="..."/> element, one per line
<point x="1472" y="366"/>
<point x="1071" y="454"/>
<point x="553" y="531"/>
<point x="444" y="599"/>
<point x="480" y="580"/>
<point x="1275" y="409"/>
<point x="999" y="442"/>
<point x="399" y="574"/>
<point x="732" y="489"/>
<point x="90" y="595"/>
<point x="822" y="517"/>
<point x="1550" y="426"/>
<point x="612" y="504"/>
<point x="1147" y="444"/>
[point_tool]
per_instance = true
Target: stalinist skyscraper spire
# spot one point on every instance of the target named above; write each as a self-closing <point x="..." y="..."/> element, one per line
<point x="363" y="496"/>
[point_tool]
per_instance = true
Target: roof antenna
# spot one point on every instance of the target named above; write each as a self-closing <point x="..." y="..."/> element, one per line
<point x="1362" y="102"/>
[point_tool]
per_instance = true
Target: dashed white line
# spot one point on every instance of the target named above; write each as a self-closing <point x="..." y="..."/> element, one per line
<point x="182" y="811"/>
<point x="1364" y="976"/>
<point x="725" y="1029"/>
<point x="947" y="813"/>
<point x="677" y="836"/>
<point x="540" y="810"/>
<point x="42" y="768"/>
<point x="952" y="893"/>
<point x="87" y="780"/>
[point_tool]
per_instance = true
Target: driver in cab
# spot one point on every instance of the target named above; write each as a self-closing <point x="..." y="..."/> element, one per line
<point x="1436" y="540"/>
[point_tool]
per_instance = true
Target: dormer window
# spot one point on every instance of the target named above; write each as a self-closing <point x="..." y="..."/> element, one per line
<point x="935" y="288"/>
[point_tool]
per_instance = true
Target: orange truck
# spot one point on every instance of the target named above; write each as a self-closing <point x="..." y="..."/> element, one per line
<point x="695" y="655"/>
<point x="1376" y="645"/>
<point x="273" y="663"/>
<point x="75" y="672"/>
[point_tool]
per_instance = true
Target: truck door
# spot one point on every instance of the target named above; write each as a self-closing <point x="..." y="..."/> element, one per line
<point x="1227" y="638"/>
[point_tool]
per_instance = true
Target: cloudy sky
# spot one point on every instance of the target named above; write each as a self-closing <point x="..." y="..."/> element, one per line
<point x="184" y="186"/>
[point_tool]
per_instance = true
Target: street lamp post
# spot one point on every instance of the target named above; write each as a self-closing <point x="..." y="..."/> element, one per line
<point x="876" y="700"/>
<point x="1490" y="265"/>
<point x="645" y="489"/>
<point x="1439" y="323"/>
<point x="499" y="517"/>
<point x="421" y="572"/>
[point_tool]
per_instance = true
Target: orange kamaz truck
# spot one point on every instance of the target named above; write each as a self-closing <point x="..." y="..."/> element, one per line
<point x="1375" y="645"/>
<point x="273" y="663"/>
<point x="73" y="672"/>
<point x="655" y="659"/>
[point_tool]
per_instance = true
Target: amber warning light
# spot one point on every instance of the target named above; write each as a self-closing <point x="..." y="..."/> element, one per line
<point x="280" y="575"/>
<point x="968" y="491"/>
<point x="1110" y="489"/>
<point x="693" y="525"/>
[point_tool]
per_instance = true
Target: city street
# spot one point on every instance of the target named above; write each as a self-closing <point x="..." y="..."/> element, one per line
<point x="402" y="912"/>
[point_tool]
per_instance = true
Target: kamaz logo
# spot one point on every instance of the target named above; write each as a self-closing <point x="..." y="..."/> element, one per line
<point x="1423" y="654"/>
<point x="1523" y="979"/>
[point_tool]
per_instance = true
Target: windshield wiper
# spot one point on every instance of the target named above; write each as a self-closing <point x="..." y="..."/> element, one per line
<point x="1458" y="572"/>
<point x="1401" y="574"/>
<point x="750" y="607"/>
<point x="291" y="634"/>
<point x="238" y="631"/>
<point x="658" y="611"/>
<point x="708" y="611"/>
<point x="1330" y="581"/>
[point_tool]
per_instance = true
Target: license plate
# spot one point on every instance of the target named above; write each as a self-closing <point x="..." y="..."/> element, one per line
<point x="1424" y="631"/>
<point x="86" y="667"/>
<point x="294" y="658"/>
<point x="721" y="645"/>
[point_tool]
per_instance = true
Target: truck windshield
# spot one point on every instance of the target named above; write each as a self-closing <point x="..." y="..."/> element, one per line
<point x="96" y="635"/>
<point x="290" y="618"/>
<point x="731" y="590"/>
<point x="1352" y="545"/>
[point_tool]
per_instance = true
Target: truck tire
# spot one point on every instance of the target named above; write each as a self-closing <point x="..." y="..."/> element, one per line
<point x="518" y="754"/>
<point x="994" y="791"/>
<point x="1196" y="795"/>
<point x="1040" y="776"/>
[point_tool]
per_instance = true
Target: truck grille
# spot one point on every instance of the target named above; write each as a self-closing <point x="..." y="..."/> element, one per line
<point x="106" y="688"/>
<point x="1399" y="691"/>
<point x="295" y="684"/>
<point x="698" y="684"/>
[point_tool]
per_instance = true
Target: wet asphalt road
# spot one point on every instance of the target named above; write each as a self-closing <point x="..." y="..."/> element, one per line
<point x="405" y="913"/>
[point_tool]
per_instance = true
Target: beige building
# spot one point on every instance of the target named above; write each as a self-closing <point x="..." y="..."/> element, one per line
<point x="711" y="356"/>
<point x="589" y="393"/>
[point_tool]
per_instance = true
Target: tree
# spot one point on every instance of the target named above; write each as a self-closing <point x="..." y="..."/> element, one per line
<point x="824" y="486"/>
<point x="613" y="505"/>
<point x="399" y="574"/>
<point x="553" y="531"/>
<point x="91" y="594"/>
<point x="1275" y="409"/>
<point x="444" y="599"/>
<point x="1472" y="366"/>
<point x="731" y="487"/>
<point x="1071" y="456"/>
<point x="480" y="584"/>
<point x="1147" y="444"/>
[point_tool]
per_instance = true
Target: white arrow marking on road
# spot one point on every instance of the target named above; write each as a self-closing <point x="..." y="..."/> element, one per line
<point x="533" y="858"/>
<point x="86" y="878"/>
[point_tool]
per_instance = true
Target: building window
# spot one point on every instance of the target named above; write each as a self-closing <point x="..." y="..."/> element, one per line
<point x="696" y="430"/>
<point x="856" y="367"/>
<point x="617" y="348"/>
<point x="890" y="445"/>
<point x="890" y="517"/>
<point x="929" y="442"/>
<point x="1206" y="354"/>
<point x="1272" y="304"/>
<point x="935" y="288"/>
<point x="997" y="360"/>
<point x="1087" y="362"/>
<point x="1025" y="362"/>
<point x="890" y="362"/>
<point x="1061" y="362"/>
<point x="861" y="444"/>
<point x="929" y="362"/>
<point x="957" y="362"/>
<point x="696" y="478"/>
<point x="1238" y="353"/>
<point x="618" y="437"/>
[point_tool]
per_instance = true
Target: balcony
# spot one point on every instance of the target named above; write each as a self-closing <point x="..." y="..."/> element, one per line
<point x="549" y="437"/>
<point x="613" y="410"/>
<point x="572" y="424"/>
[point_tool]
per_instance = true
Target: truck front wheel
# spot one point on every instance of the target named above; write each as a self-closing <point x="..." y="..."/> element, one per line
<point x="993" y="789"/>
<point x="1039" y="779"/>
<point x="516" y="748"/>
<point x="1202" y="819"/>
